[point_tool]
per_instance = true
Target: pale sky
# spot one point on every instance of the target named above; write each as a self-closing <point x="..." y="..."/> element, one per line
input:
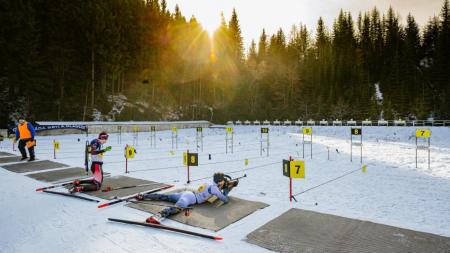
<point x="254" y="15"/>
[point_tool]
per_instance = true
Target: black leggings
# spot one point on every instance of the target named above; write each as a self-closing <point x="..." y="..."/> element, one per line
<point x="94" y="184"/>
<point x="22" y="144"/>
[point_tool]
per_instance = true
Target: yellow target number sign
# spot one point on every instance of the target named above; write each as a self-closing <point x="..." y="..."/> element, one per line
<point x="265" y="130"/>
<point x="297" y="169"/>
<point x="56" y="145"/>
<point x="193" y="159"/>
<point x="190" y="159"/>
<point x="174" y="129"/>
<point x="129" y="152"/>
<point x="286" y="169"/>
<point x="307" y="131"/>
<point x="229" y="130"/>
<point x="356" y="131"/>
<point x="423" y="133"/>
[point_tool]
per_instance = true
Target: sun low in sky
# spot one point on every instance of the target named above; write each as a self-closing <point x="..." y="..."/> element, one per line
<point x="254" y="15"/>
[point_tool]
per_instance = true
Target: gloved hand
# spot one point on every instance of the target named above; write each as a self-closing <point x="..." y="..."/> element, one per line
<point x="233" y="183"/>
<point x="107" y="148"/>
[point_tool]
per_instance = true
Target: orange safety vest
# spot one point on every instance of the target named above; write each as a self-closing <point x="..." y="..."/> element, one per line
<point x="24" y="132"/>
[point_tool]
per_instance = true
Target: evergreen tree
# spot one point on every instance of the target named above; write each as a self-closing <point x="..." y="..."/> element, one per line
<point x="236" y="41"/>
<point x="262" y="46"/>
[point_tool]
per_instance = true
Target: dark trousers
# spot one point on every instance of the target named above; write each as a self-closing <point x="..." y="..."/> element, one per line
<point x="22" y="144"/>
<point x="94" y="184"/>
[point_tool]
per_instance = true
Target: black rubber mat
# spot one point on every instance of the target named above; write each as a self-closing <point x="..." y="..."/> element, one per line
<point x="306" y="231"/>
<point x="207" y="215"/>
<point x="10" y="159"/>
<point x="56" y="176"/>
<point x="24" y="167"/>
<point x="121" y="181"/>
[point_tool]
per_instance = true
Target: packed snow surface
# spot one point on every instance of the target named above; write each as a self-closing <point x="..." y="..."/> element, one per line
<point x="392" y="191"/>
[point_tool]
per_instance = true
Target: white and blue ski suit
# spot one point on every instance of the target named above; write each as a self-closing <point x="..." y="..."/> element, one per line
<point x="184" y="199"/>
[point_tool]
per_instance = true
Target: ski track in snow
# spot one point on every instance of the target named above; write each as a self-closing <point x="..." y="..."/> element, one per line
<point x="392" y="192"/>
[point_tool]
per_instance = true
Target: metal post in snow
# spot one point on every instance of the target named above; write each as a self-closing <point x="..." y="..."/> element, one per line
<point x="226" y="142"/>
<point x="232" y="142"/>
<point x="187" y="164"/>
<point x="416" y="152"/>
<point x="351" y="146"/>
<point x="290" y="182"/>
<point x="126" y="159"/>
<point x="303" y="145"/>
<point x="260" y="144"/>
<point x="361" y="148"/>
<point x="429" y="143"/>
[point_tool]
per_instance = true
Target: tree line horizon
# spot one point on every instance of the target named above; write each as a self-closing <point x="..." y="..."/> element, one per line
<point x="136" y="60"/>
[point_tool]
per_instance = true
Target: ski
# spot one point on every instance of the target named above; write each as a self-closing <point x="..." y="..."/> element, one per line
<point x="108" y="189"/>
<point x="53" y="186"/>
<point x="86" y="157"/>
<point x="133" y="196"/>
<point x="71" y="195"/>
<point x="149" y="203"/>
<point x="58" y="185"/>
<point x="165" y="227"/>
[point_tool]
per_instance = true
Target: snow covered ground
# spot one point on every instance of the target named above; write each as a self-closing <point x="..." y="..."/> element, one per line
<point x="391" y="192"/>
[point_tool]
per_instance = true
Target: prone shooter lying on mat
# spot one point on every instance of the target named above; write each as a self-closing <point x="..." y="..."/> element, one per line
<point x="222" y="185"/>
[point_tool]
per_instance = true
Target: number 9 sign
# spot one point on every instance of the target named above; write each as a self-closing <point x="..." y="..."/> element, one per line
<point x="307" y="131"/>
<point x="129" y="152"/>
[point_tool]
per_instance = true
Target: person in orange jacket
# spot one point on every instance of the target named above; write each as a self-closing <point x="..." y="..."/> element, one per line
<point x="25" y="133"/>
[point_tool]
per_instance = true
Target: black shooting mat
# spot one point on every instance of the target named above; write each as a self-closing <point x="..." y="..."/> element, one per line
<point x="24" y="167"/>
<point x="306" y="231"/>
<point x="6" y="154"/>
<point x="207" y="215"/>
<point x="121" y="181"/>
<point x="56" y="176"/>
<point x="10" y="159"/>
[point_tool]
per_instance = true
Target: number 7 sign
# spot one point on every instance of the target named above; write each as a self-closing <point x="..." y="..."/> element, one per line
<point x="423" y="133"/>
<point x="297" y="169"/>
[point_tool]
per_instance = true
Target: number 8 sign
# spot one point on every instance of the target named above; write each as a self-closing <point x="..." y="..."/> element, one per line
<point x="190" y="159"/>
<point x="356" y="131"/>
<point x="193" y="160"/>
